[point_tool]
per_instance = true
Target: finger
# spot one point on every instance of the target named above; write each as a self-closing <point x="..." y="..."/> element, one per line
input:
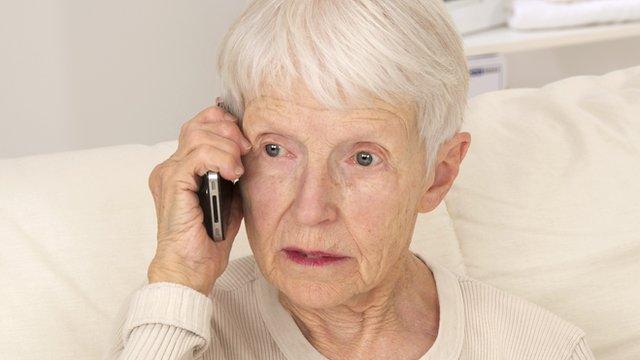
<point x="229" y="130"/>
<point x="208" y="115"/>
<point x="204" y="136"/>
<point x="188" y="171"/>
<point x="214" y="113"/>
<point x="225" y="128"/>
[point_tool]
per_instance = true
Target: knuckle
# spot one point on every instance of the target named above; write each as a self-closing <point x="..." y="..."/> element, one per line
<point x="194" y="137"/>
<point x="204" y="154"/>
<point x="155" y="178"/>
<point x="212" y="113"/>
<point x="184" y="130"/>
<point x="203" y="151"/>
<point x="155" y="172"/>
<point x="211" y="155"/>
<point x="226" y="129"/>
<point x="184" y="127"/>
<point x="151" y="183"/>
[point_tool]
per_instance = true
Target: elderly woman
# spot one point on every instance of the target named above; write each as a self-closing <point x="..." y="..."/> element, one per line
<point x="342" y="125"/>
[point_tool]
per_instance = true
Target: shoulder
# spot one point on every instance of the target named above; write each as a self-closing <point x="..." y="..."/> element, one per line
<point x="515" y="325"/>
<point x="501" y="305"/>
<point x="238" y="329"/>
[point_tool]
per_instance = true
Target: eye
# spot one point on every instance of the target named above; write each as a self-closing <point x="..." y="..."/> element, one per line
<point x="272" y="149"/>
<point x="364" y="158"/>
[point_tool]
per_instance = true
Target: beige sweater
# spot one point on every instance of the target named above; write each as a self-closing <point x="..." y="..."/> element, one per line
<point x="243" y="319"/>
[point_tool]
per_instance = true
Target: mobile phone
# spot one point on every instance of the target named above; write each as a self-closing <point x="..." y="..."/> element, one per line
<point x="215" y="196"/>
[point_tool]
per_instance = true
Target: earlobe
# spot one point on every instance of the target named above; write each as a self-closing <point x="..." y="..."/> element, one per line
<point x="435" y="193"/>
<point x="451" y="154"/>
<point x="465" y="145"/>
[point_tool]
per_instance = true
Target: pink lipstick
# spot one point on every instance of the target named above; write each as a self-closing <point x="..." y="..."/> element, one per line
<point x="312" y="258"/>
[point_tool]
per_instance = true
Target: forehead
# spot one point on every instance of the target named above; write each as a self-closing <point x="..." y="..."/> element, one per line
<point x="293" y="120"/>
<point x="302" y="110"/>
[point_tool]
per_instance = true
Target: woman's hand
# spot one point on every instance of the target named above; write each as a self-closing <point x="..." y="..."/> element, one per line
<point x="185" y="254"/>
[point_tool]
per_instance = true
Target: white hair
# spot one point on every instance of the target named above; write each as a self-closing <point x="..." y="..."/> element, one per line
<point x="403" y="52"/>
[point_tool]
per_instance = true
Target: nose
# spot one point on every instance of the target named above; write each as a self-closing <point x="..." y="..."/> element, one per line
<point x="314" y="200"/>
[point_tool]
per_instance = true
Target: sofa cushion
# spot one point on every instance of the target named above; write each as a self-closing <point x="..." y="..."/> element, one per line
<point x="547" y="203"/>
<point x="76" y="229"/>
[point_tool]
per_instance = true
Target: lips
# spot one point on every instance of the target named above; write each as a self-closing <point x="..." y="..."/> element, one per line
<point x="312" y="257"/>
<point x="312" y="253"/>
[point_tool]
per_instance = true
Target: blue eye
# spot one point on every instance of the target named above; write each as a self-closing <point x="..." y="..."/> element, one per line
<point x="272" y="149"/>
<point x="364" y="158"/>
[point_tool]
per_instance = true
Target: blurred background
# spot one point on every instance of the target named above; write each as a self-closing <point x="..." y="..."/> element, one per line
<point x="83" y="74"/>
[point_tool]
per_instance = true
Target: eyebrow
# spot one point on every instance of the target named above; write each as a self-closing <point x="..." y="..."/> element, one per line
<point x="263" y="123"/>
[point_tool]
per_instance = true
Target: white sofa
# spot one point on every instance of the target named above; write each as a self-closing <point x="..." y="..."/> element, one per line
<point x="546" y="206"/>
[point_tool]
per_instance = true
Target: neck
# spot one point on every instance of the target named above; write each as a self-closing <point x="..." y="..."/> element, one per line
<point x="400" y="314"/>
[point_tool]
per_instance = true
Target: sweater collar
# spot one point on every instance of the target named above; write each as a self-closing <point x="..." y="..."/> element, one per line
<point x="294" y="345"/>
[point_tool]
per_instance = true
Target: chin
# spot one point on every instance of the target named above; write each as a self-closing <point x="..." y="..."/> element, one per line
<point x="312" y="294"/>
<point x="310" y="286"/>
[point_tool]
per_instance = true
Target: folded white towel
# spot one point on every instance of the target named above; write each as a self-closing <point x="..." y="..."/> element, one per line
<point x="571" y="1"/>
<point x="566" y="1"/>
<point x="540" y="14"/>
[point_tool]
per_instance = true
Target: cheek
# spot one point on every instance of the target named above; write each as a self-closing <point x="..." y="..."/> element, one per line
<point x="264" y="193"/>
<point x="376" y="214"/>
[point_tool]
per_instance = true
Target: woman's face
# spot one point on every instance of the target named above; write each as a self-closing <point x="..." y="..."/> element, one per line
<point x="343" y="182"/>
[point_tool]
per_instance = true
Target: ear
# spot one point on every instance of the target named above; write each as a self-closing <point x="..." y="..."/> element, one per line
<point x="446" y="168"/>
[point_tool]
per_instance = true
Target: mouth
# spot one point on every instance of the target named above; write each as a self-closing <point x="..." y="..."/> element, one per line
<point x="312" y="257"/>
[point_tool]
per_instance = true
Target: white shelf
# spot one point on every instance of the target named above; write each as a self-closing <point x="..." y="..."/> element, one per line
<point x="506" y="40"/>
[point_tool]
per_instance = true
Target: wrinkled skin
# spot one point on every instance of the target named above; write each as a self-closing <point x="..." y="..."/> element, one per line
<point x="315" y="195"/>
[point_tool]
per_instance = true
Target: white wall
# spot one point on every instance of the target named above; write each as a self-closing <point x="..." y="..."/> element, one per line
<point x="81" y="74"/>
<point x="536" y="68"/>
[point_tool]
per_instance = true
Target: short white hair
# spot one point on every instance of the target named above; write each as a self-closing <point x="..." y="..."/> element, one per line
<point x="402" y="52"/>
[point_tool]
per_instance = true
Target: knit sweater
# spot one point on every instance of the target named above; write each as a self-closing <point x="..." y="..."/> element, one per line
<point x="242" y="318"/>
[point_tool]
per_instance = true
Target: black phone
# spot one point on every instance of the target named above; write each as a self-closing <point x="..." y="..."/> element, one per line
<point x="215" y="195"/>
